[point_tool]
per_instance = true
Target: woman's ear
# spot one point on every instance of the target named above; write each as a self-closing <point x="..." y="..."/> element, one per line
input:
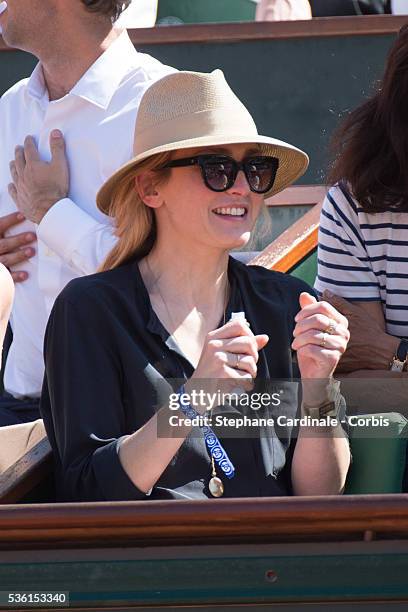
<point x="146" y="186"/>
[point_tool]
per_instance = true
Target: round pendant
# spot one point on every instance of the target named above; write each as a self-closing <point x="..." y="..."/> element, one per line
<point x="216" y="487"/>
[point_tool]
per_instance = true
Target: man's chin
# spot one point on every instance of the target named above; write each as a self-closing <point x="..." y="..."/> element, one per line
<point x="6" y="37"/>
<point x="12" y="40"/>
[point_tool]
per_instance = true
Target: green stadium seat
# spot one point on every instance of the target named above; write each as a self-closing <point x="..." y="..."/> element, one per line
<point x="378" y="464"/>
<point x="205" y="11"/>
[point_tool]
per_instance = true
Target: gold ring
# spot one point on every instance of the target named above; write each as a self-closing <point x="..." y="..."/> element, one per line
<point x="331" y="328"/>
<point x="323" y="342"/>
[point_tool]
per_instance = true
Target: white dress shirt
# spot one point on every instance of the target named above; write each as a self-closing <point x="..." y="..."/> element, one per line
<point x="399" y="7"/>
<point x="139" y="14"/>
<point x="97" y="119"/>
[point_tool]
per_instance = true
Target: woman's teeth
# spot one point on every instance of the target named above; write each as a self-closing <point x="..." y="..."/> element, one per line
<point x="235" y="212"/>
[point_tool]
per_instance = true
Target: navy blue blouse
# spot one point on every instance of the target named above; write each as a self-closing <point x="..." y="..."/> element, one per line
<point x="107" y="359"/>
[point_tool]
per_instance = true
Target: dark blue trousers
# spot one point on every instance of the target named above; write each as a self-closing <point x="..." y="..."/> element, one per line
<point x="14" y="411"/>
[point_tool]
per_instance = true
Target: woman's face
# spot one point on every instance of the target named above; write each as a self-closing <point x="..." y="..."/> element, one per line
<point x="191" y="211"/>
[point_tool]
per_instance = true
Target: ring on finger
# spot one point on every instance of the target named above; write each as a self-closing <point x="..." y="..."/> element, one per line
<point x="323" y="340"/>
<point x="238" y="356"/>
<point x="331" y="328"/>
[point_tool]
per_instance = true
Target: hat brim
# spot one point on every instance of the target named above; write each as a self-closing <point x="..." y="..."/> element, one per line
<point x="292" y="162"/>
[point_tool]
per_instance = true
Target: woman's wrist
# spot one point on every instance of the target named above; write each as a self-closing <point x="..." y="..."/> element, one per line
<point x="190" y="389"/>
<point x="319" y="391"/>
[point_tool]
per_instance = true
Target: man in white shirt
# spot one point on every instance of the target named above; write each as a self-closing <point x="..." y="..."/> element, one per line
<point x="86" y="88"/>
<point x="283" y="10"/>
<point x="399" y="7"/>
<point x="140" y="14"/>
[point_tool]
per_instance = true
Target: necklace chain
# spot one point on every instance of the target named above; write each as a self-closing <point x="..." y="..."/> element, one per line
<point x="215" y="484"/>
<point x="156" y="284"/>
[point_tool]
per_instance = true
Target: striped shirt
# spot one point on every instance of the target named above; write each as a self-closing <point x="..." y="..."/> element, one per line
<point x="364" y="257"/>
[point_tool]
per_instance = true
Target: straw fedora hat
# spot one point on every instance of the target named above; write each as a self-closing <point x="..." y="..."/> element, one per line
<point x="195" y="109"/>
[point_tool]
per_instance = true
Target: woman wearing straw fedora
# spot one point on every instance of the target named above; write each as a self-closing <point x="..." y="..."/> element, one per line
<point x="130" y="350"/>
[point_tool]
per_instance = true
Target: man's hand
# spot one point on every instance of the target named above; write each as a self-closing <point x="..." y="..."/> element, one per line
<point x="369" y="347"/>
<point x="15" y="249"/>
<point x="38" y="185"/>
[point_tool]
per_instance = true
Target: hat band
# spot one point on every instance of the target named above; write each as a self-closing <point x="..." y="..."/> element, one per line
<point x="218" y="124"/>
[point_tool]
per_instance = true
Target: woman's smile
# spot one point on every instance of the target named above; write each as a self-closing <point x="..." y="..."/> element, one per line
<point x="231" y="213"/>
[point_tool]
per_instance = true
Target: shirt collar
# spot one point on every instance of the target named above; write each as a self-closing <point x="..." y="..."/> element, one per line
<point x="36" y="84"/>
<point x="101" y="80"/>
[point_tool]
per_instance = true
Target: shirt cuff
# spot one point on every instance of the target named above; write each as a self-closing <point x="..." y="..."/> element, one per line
<point x="53" y="229"/>
<point x="112" y="478"/>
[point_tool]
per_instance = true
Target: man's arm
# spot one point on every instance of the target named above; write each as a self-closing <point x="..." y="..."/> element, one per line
<point x="40" y="190"/>
<point x="370" y="348"/>
<point x="14" y="250"/>
<point x="6" y="302"/>
<point x="81" y="241"/>
<point x="344" y="267"/>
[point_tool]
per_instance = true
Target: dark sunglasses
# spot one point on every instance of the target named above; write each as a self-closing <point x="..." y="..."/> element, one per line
<point x="219" y="172"/>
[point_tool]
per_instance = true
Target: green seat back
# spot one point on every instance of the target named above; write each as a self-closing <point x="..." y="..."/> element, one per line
<point x="306" y="269"/>
<point x="379" y="455"/>
<point x="207" y="11"/>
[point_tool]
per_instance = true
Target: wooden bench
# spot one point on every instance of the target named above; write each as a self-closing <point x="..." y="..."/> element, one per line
<point x="25" y="459"/>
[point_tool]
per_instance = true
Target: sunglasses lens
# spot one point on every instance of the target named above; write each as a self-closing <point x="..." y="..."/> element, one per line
<point x="260" y="173"/>
<point x="218" y="174"/>
<point x="221" y="172"/>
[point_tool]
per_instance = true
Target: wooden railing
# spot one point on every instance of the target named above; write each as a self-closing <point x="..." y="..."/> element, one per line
<point x="222" y="521"/>
<point x="300" y="239"/>
<point x="238" y="32"/>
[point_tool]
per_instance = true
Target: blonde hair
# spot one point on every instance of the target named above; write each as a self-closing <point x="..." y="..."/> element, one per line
<point x="135" y="222"/>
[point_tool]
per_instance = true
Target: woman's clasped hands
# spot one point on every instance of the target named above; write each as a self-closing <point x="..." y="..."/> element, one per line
<point x="229" y="358"/>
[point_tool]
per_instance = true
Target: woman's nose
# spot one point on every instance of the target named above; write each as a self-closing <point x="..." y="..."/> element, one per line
<point x="240" y="185"/>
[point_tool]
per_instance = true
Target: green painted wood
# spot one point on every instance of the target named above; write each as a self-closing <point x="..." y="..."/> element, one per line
<point x="210" y="11"/>
<point x="296" y="88"/>
<point x="218" y="579"/>
<point x="14" y="65"/>
<point x="271" y="225"/>
<point x="306" y="269"/>
<point x="379" y="454"/>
